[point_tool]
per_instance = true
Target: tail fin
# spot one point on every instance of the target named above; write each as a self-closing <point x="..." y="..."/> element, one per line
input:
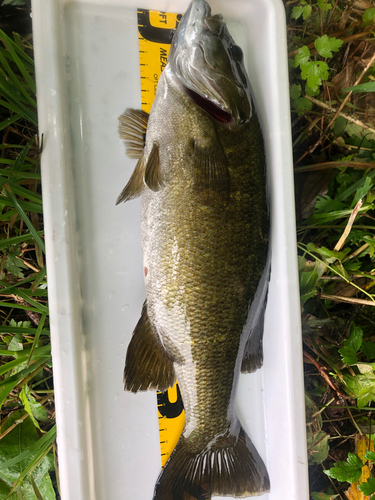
<point x="236" y="471"/>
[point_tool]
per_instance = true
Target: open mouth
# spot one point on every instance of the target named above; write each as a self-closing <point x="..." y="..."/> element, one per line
<point x="208" y="106"/>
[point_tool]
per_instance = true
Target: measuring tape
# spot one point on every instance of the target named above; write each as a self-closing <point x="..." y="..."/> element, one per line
<point x="155" y="36"/>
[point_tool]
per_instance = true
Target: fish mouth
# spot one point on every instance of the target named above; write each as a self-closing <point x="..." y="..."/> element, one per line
<point x="212" y="109"/>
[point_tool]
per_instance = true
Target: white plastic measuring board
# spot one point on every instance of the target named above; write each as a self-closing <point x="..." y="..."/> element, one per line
<point x="87" y="65"/>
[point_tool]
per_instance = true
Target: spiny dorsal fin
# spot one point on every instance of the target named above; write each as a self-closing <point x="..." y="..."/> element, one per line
<point x="132" y="128"/>
<point x="153" y="174"/>
<point x="211" y="174"/>
<point x="136" y="183"/>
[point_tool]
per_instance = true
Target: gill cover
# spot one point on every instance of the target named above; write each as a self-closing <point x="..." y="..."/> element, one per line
<point x="206" y="60"/>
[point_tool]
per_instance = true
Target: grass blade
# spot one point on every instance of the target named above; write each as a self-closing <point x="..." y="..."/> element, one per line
<point x="16" y="80"/>
<point x="21" y="157"/>
<point x="15" y="240"/>
<point x="43" y="443"/>
<point x="10" y="45"/>
<point x="37" y="335"/>
<point x="8" y="121"/>
<point x="7" y="385"/>
<point x="25" y="218"/>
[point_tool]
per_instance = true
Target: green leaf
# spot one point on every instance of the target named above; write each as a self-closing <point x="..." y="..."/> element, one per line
<point x="368" y="348"/>
<point x="353" y="459"/>
<point x="306" y="12"/>
<point x="328" y="255"/>
<point x="353" y="187"/>
<point x="325" y="45"/>
<point x="33" y="408"/>
<point x="362" y="386"/>
<point x="301" y="104"/>
<point x="16" y="343"/>
<point x="340" y="125"/>
<point x="355" y="337"/>
<point x="323" y="5"/>
<point x="368" y="488"/>
<point x="302" y="9"/>
<point x="318" y="447"/>
<point x="19" y="442"/>
<point x="325" y="204"/>
<point x="297" y="11"/>
<point x="344" y="471"/>
<point x="362" y="87"/>
<point x="295" y="91"/>
<point x="314" y="72"/>
<point x="302" y="57"/>
<point x="370" y="455"/>
<point x="348" y="355"/>
<point x="308" y="277"/>
<point x="14" y="264"/>
<point x="26" y="404"/>
<point x="362" y="191"/>
<point x="310" y="92"/>
<point x="368" y="16"/>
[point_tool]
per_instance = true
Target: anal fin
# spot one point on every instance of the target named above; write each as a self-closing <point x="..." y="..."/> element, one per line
<point x="147" y="365"/>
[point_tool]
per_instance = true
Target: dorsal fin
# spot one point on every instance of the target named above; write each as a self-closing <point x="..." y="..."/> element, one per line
<point x="132" y="128"/>
<point x="211" y="174"/>
<point x="136" y="183"/>
<point x="153" y="173"/>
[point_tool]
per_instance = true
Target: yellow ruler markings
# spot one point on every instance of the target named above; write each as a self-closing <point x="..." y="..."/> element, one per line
<point x="154" y="33"/>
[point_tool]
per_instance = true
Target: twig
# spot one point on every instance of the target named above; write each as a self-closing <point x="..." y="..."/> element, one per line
<point x="352" y="419"/>
<point x="323" y="373"/>
<point x="334" y="164"/>
<point x="348" y="227"/>
<point x="333" y="110"/>
<point x="350" y="300"/>
<point x="323" y="408"/>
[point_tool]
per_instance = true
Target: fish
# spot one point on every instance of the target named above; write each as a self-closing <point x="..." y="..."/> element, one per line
<point x="205" y="226"/>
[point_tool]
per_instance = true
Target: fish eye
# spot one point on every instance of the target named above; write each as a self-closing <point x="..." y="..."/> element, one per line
<point x="236" y="52"/>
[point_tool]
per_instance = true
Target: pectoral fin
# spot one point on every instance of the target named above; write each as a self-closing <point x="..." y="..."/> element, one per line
<point x="132" y="128"/>
<point x="146" y="172"/>
<point x="153" y="177"/>
<point x="211" y="174"/>
<point x="136" y="183"/>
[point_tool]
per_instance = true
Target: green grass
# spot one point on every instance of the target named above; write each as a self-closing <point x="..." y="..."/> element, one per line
<point x="27" y="432"/>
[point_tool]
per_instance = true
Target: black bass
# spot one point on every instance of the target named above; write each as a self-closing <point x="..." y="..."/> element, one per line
<point x="205" y="230"/>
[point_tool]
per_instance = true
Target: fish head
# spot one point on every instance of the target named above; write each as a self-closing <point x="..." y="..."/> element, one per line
<point x="209" y="65"/>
